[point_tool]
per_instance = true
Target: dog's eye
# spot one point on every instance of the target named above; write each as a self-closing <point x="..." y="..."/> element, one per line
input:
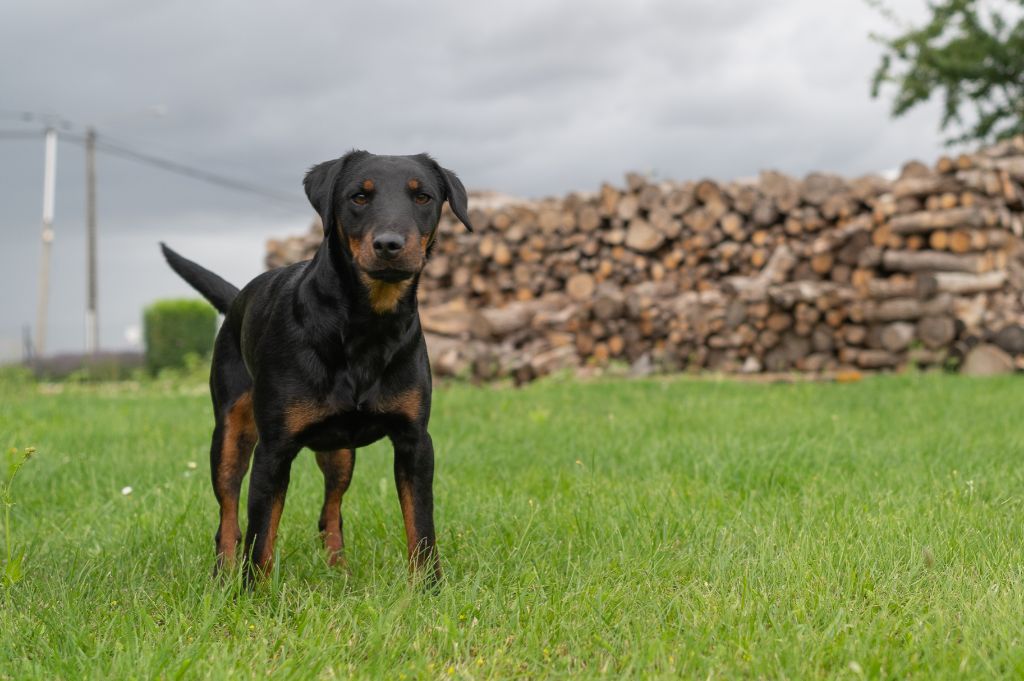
<point x="360" y="199"/>
<point x="422" y="198"/>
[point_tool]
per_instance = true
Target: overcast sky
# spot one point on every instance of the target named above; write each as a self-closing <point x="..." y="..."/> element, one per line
<point x="534" y="98"/>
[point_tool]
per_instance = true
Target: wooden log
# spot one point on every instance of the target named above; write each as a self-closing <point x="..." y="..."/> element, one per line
<point x="907" y="309"/>
<point x="838" y="206"/>
<point x="501" y="220"/>
<point x="897" y="336"/>
<point x="870" y="258"/>
<point x="649" y="197"/>
<point x="609" y="303"/>
<point x="939" y="240"/>
<point x="817" y="187"/>
<point x="945" y="165"/>
<point x="936" y="331"/>
<point x="959" y="283"/>
<point x="642" y="237"/>
<point x="1013" y="166"/>
<point x="822" y="263"/>
<point x="751" y="289"/>
<point x="764" y="213"/>
<point x="451" y="319"/>
<point x="732" y="225"/>
<point x="679" y="201"/>
<point x="934" y="261"/>
<point x="850" y="252"/>
<point x="893" y="287"/>
<point x="489" y="323"/>
<point x="1010" y="339"/>
<point x="708" y="192"/>
<point x="923" y="186"/>
<point x="635" y="182"/>
<point x="608" y="203"/>
<point x="580" y="286"/>
<point x="671" y="227"/>
<point x="824" y="294"/>
<point x="914" y="242"/>
<point x="502" y="254"/>
<point x="628" y="207"/>
<point x="960" y="241"/>
<point x="926" y="221"/>
<point x="914" y="169"/>
<point x="588" y="218"/>
<point x="854" y="334"/>
<point x="876" y="359"/>
<point x="782" y="189"/>
<point x="554" y="359"/>
<point x="742" y="197"/>
<point x="699" y="220"/>
<point x="549" y="219"/>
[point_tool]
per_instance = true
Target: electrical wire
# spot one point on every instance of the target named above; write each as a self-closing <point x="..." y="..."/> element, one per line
<point x="194" y="173"/>
<point x="106" y="145"/>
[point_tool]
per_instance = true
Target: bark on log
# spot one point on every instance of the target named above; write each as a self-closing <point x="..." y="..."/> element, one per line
<point x="936" y="331"/>
<point x="896" y="337"/>
<point x="932" y="261"/>
<point x="959" y="283"/>
<point x="907" y="309"/>
<point x="926" y="221"/>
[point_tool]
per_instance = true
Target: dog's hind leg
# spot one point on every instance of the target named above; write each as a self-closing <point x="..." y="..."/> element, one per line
<point x="337" y="468"/>
<point x="233" y="440"/>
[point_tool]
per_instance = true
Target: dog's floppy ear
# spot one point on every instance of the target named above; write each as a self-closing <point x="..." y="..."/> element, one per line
<point x="320" y="182"/>
<point x="455" y="192"/>
<point x="457" y="198"/>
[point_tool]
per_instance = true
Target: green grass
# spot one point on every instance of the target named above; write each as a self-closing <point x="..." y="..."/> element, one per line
<point x="639" y="529"/>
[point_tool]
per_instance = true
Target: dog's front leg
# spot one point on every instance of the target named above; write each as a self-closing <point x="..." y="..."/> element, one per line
<point x="268" y="483"/>
<point x="414" y="478"/>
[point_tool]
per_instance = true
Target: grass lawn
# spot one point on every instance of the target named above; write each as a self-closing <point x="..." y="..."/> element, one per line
<point x="623" y="529"/>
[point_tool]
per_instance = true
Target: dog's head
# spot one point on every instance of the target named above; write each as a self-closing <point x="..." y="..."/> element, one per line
<point x="383" y="211"/>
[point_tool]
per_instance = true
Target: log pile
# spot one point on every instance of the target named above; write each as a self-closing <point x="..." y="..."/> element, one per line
<point x="773" y="274"/>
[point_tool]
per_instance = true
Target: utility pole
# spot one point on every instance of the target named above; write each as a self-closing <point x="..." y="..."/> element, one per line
<point x="92" y="342"/>
<point x="49" y="177"/>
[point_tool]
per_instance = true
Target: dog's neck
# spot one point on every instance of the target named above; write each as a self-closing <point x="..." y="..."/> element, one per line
<point x="350" y="302"/>
<point x="355" y="342"/>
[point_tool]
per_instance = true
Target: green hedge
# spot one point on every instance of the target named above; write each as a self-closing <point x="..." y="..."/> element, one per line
<point x="175" y="329"/>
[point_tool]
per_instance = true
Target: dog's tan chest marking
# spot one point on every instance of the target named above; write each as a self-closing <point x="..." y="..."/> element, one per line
<point x="384" y="295"/>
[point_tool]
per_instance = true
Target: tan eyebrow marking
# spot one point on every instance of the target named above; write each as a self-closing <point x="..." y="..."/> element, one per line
<point x="414" y="184"/>
<point x="367" y="185"/>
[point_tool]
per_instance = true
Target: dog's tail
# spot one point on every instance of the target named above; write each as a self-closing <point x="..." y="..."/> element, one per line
<point x="214" y="288"/>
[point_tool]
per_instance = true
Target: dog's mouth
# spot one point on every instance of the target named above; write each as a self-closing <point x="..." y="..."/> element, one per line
<point x="390" y="275"/>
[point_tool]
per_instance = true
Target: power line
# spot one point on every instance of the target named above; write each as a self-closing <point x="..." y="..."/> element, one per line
<point x="184" y="170"/>
<point x="105" y="144"/>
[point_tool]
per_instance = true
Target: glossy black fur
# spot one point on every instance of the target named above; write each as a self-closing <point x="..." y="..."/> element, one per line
<point x="322" y="364"/>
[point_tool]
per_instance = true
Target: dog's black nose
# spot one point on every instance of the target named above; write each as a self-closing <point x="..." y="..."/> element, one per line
<point x="387" y="245"/>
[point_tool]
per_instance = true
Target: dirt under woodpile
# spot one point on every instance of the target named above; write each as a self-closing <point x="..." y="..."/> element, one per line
<point x="820" y="275"/>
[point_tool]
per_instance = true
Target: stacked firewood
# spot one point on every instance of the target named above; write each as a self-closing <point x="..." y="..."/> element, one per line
<point x="772" y="274"/>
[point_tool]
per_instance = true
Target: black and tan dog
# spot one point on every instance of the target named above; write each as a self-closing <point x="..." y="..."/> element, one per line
<point x="328" y="354"/>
